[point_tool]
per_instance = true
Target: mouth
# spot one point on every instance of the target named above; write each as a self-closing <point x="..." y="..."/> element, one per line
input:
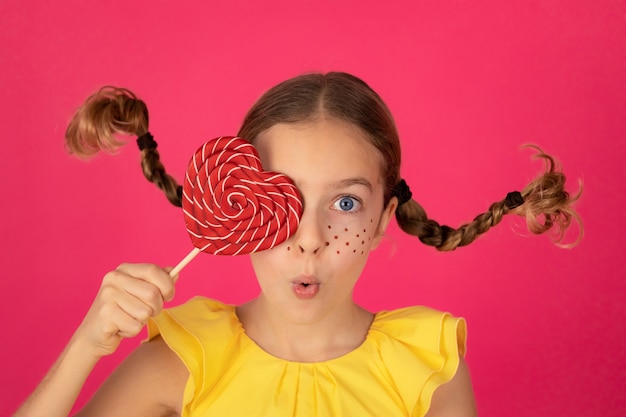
<point x="305" y="287"/>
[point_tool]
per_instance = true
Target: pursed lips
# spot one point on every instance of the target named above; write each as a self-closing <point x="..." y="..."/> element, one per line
<point x="305" y="286"/>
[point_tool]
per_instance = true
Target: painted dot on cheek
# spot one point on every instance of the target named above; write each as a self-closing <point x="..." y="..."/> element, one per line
<point x="347" y="243"/>
<point x="329" y="226"/>
<point x="346" y="229"/>
<point x="357" y="235"/>
<point x="336" y="237"/>
<point x="337" y="252"/>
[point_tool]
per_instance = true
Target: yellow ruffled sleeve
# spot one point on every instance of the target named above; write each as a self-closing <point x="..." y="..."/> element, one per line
<point x="199" y="329"/>
<point x="420" y="348"/>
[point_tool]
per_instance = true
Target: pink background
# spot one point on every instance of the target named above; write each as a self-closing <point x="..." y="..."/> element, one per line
<point x="468" y="82"/>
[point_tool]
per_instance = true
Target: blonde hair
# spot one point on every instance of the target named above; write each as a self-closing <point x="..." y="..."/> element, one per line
<point x="546" y="206"/>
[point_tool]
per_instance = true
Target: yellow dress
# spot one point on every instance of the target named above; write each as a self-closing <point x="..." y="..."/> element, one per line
<point x="406" y="355"/>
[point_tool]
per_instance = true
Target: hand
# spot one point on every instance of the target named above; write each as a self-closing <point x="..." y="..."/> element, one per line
<point x="127" y="298"/>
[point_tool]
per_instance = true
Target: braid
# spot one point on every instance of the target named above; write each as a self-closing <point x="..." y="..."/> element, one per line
<point x="154" y="171"/>
<point x="546" y="205"/>
<point x="114" y="111"/>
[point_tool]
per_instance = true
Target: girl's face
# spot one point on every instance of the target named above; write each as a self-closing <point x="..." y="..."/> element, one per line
<point x="338" y="173"/>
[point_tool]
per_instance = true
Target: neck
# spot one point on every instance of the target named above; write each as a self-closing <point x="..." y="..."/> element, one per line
<point x="333" y="334"/>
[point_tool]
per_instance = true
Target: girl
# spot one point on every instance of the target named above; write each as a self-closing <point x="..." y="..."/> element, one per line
<point x="303" y="346"/>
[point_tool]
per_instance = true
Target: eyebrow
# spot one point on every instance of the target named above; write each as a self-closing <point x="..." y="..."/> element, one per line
<point x="352" y="181"/>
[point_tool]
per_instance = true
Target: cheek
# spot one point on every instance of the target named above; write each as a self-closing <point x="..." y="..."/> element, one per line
<point x="351" y="238"/>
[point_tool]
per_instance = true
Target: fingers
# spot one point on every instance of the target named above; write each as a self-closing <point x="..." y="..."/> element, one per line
<point x="139" y="290"/>
<point x="152" y="274"/>
<point x="127" y="298"/>
<point x="123" y="317"/>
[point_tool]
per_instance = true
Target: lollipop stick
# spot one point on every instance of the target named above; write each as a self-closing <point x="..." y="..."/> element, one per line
<point x="184" y="262"/>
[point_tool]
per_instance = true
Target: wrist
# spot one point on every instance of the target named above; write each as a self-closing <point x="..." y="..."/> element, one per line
<point x="82" y="352"/>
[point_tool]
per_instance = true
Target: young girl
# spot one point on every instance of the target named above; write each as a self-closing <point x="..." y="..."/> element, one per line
<point x="302" y="346"/>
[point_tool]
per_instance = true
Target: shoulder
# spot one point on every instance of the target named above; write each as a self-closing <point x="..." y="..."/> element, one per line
<point x="151" y="381"/>
<point x="201" y="333"/>
<point x="423" y="349"/>
<point x="456" y="397"/>
<point x="423" y="327"/>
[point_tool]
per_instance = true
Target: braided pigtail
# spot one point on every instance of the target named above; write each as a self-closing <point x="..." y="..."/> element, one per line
<point x="544" y="203"/>
<point x="112" y="112"/>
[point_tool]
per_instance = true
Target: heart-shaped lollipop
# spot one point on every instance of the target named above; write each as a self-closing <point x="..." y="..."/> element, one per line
<point x="231" y="205"/>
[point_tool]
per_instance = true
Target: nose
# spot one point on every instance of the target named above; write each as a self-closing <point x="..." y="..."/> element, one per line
<point x="309" y="237"/>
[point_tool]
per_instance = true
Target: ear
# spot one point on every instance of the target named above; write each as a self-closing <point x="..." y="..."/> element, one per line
<point x="385" y="217"/>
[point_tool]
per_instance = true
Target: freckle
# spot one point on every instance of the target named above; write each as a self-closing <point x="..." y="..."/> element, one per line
<point x="354" y="251"/>
<point x="347" y="243"/>
<point x="336" y="237"/>
<point x="361" y="252"/>
<point x="346" y="229"/>
<point x="288" y="248"/>
<point x="329" y="226"/>
<point x="357" y="235"/>
<point x="337" y="252"/>
<point x="327" y="243"/>
<point x="364" y="230"/>
<point x="362" y="242"/>
<point x="371" y="220"/>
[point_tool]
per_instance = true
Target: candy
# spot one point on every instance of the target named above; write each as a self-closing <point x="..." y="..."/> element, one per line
<point x="231" y="205"/>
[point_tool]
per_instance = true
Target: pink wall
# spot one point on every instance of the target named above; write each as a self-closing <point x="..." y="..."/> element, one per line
<point x="468" y="82"/>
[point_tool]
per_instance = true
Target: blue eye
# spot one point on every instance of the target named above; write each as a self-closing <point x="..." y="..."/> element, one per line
<point x="346" y="204"/>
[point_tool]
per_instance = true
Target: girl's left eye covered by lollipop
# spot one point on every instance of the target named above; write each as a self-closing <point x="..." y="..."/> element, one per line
<point x="232" y="206"/>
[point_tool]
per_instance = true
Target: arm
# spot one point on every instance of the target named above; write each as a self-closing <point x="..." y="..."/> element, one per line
<point x="150" y="382"/>
<point x="57" y="392"/>
<point x="127" y="298"/>
<point x="456" y="397"/>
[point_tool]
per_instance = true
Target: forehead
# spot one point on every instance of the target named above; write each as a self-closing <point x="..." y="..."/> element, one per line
<point x="326" y="149"/>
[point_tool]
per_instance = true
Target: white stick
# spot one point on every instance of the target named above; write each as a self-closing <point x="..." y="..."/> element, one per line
<point x="184" y="263"/>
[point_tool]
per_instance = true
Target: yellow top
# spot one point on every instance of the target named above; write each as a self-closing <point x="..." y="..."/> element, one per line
<point x="406" y="355"/>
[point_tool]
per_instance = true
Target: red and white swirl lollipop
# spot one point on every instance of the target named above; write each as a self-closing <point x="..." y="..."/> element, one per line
<point x="231" y="205"/>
